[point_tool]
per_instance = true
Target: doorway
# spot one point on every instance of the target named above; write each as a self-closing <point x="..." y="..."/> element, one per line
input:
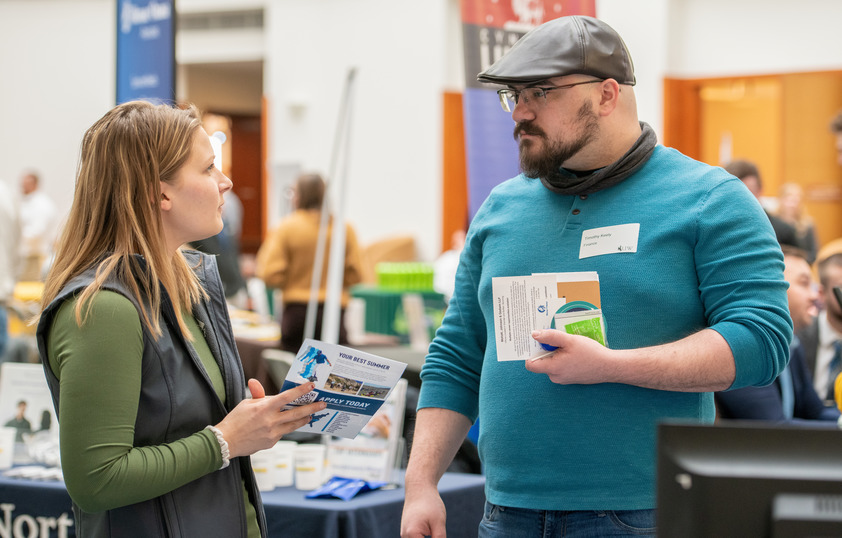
<point x="234" y="91"/>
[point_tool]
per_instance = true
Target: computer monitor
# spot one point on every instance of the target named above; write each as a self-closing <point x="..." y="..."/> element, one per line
<point x="746" y="479"/>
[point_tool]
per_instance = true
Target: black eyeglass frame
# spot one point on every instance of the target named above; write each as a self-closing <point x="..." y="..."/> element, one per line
<point x="539" y="93"/>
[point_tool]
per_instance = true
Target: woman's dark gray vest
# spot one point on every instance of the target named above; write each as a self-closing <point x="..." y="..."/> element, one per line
<point x="177" y="399"/>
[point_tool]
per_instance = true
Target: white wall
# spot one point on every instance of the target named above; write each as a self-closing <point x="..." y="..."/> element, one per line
<point x="57" y="70"/>
<point x="400" y="53"/>
<point x="728" y="37"/>
<point x="647" y="43"/>
<point x="57" y="67"/>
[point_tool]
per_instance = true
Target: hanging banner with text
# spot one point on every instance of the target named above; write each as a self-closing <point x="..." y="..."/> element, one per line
<point x="146" y="50"/>
<point x="489" y="29"/>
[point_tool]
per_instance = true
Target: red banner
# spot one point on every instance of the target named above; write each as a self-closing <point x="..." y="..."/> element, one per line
<point x="489" y="29"/>
<point x="521" y="14"/>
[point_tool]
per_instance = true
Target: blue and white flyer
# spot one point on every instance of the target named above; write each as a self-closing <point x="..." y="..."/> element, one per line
<point x="352" y="383"/>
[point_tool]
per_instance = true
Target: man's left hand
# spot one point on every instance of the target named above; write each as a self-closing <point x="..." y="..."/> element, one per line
<point x="578" y="359"/>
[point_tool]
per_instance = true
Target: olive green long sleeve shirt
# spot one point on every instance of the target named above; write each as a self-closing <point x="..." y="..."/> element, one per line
<point x="99" y="369"/>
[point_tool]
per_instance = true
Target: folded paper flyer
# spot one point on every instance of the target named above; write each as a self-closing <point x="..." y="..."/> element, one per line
<point x="564" y="301"/>
<point x="352" y="383"/>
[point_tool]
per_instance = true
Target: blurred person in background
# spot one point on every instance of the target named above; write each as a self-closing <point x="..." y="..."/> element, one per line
<point x="9" y="243"/>
<point x="444" y="267"/>
<point x="836" y="129"/>
<point x="285" y="261"/>
<point x="37" y="216"/>
<point x="792" y="397"/>
<point x="822" y="339"/>
<point x="748" y="173"/>
<point x="791" y="210"/>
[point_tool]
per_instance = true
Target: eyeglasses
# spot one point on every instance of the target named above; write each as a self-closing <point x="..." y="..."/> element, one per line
<point x="534" y="94"/>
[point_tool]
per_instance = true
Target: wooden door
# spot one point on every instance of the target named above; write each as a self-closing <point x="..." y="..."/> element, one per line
<point x="247" y="175"/>
<point x="781" y="122"/>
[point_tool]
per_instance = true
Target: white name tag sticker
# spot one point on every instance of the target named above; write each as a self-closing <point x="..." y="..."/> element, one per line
<point x="620" y="239"/>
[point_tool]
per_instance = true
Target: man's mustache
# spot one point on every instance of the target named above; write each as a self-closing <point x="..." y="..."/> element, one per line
<point x="527" y="128"/>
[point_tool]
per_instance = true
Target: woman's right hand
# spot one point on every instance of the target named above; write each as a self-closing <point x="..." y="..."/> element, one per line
<point x="257" y="423"/>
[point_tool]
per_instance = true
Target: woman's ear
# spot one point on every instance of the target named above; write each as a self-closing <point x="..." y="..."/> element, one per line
<point x="166" y="203"/>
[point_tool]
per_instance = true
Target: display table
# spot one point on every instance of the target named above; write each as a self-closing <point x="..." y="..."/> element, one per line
<point x="375" y="514"/>
<point x="254" y="365"/>
<point x="253" y="335"/>
<point x="384" y="309"/>
<point x="33" y="508"/>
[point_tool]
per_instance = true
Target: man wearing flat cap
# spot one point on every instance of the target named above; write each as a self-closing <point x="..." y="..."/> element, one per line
<point x="692" y="303"/>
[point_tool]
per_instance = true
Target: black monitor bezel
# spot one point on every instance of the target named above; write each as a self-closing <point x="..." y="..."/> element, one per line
<point x="721" y="479"/>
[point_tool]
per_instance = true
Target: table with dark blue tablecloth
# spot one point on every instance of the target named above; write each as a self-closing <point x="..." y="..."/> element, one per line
<point x="374" y="514"/>
<point x="35" y="508"/>
<point x="40" y="508"/>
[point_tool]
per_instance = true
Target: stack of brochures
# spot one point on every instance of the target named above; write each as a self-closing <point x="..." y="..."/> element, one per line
<point x="564" y="301"/>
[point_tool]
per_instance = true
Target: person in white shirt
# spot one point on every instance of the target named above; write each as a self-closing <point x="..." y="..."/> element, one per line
<point x="444" y="267"/>
<point x="822" y="338"/>
<point x="37" y="215"/>
<point x="9" y="239"/>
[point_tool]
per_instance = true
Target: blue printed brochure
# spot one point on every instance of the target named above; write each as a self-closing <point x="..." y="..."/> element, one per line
<point x="354" y="384"/>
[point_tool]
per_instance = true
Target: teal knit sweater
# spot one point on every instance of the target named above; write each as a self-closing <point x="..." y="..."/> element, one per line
<point x="706" y="257"/>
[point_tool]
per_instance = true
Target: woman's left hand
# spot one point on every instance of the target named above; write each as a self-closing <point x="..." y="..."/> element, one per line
<point x="257" y="423"/>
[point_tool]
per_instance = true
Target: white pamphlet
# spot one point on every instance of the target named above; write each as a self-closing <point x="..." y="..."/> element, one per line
<point x="27" y="406"/>
<point x="523" y="304"/>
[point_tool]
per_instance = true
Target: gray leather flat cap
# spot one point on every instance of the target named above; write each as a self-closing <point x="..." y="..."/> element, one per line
<point x="564" y="46"/>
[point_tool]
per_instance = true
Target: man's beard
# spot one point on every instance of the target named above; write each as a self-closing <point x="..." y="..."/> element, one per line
<point x="546" y="163"/>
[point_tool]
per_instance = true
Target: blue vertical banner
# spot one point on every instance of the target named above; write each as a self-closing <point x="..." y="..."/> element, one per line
<point x="146" y="50"/>
<point x="489" y="29"/>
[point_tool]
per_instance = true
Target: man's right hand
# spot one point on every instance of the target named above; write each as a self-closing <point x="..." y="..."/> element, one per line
<point x="423" y="513"/>
<point x="438" y="434"/>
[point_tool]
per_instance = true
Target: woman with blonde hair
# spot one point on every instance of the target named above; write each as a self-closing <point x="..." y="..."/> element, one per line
<point x="792" y="211"/>
<point x="155" y="425"/>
